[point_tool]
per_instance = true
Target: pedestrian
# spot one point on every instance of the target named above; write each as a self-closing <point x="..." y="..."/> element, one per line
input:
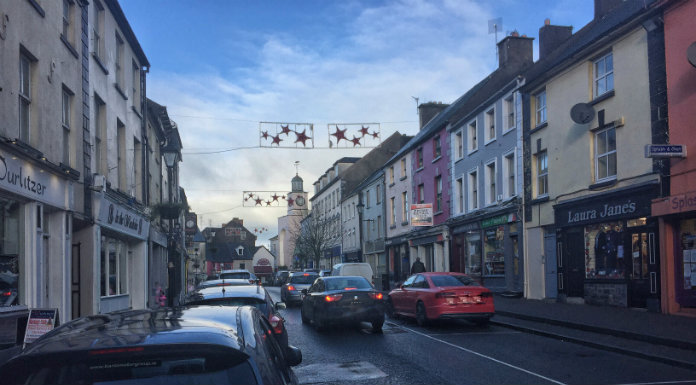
<point x="418" y="266"/>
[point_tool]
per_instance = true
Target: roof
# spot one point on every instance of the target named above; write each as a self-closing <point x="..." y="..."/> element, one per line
<point x="226" y="252"/>
<point x="127" y="31"/>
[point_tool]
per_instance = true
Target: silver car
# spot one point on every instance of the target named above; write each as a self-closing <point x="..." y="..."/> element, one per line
<point x="291" y="292"/>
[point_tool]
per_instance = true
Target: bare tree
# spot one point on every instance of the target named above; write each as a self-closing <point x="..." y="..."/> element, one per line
<point x="314" y="236"/>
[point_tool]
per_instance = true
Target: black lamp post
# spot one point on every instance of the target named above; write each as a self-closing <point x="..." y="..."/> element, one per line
<point x="170" y="155"/>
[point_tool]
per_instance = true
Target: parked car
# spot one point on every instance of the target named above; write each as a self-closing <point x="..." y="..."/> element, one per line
<point x="291" y="292"/>
<point x="281" y="277"/>
<point x="355" y="268"/>
<point x="222" y="282"/>
<point x="325" y="273"/>
<point x="342" y="299"/>
<point x="239" y="274"/>
<point x="252" y="295"/>
<point x="444" y="295"/>
<point x="197" y="345"/>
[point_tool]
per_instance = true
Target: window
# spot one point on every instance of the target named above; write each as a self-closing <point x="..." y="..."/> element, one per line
<point x="509" y="170"/>
<point x="135" y="92"/>
<point x="509" y="113"/>
<point x="459" y="144"/>
<point x="136" y="189"/>
<point x="438" y="193"/>
<point x="118" y="62"/>
<point x="240" y="251"/>
<point x="25" y="86"/>
<point x="379" y="226"/>
<point x="404" y="207"/>
<point x="606" y="154"/>
<point x="67" y="107"/>
<point x="419" y="158"/>
<point x="121" y="154"/>
<point x="542" y="174"/>
<point x="378" y="194"/>
<point x="540" y="103"/>
<point x="98" y="23"/>
<point x="437" y="147"/>
<point x="367" y="198"/>
<point x="392" y="211"/>
<point x="421" y="193"/>
<point x="114" y="267"/>
<point x="473" y="190"/>
<point x="460" y="195"/>
<point x="68" y="21"/>
<point x="603" y="75"/>
<point x="403" y="168"/>
<point x="473" y="145"/>
<point x="100" y="141"/>
<point x="391" y="175"/>
<point x="491" y="192"/>
<point x="490" y="125"/>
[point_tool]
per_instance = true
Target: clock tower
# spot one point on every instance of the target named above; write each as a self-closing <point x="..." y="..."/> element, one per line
<point x="297" y="198"/>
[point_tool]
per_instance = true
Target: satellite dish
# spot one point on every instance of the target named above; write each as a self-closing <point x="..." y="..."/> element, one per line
<point x="691" y="54"/>
<point x="582" y="113"/>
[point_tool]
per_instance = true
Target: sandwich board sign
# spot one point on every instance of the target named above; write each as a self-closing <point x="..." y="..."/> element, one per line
<point x="40" y="322"/>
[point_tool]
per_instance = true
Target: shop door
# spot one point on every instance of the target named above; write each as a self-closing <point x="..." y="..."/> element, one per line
<point x="75" y="281"/>
<point x="574" y="252"/>
<point x="551" y="264"/>
<point x="642" y="266"/>
<point x="457" y="262"/>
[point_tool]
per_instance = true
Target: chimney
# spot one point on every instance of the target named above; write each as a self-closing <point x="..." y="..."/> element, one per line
<point x="515" y="50"/>
<point x="427" y="111"/>
<point x="603" y="7"/>
<point x="551" y="37"/>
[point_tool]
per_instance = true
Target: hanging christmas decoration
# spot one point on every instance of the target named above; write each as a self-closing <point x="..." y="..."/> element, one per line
<point x="364" y="135"/>
<point x="263" y="199"/>
<point x="286" y="135"/>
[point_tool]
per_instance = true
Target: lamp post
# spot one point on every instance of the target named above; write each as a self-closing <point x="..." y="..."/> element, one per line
<point x="170" y="155"/>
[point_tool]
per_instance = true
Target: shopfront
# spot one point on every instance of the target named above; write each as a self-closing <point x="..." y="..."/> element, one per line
<point x="398" y="259"/>
<point x="609" y="248"/>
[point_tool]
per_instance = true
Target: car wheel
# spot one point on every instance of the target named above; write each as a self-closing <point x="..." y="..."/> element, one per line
<point x="377" y="326"/>
<point x="390" y="308"/>
<point x="319" y="324"/>
<point x="421" y="316"/>
<point x="305" y="320"/>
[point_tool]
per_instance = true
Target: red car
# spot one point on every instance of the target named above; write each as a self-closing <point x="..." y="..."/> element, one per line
<point x="439" y="296"/>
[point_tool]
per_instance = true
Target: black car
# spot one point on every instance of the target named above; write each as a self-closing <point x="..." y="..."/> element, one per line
<point x="342" y="299"/>
<point x="169" y="345"/>
<point x="240" y="295"/>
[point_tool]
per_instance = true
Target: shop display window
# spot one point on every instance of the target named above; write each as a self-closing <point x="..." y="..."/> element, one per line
<point x="604" y="251"/>
<point x="9" y="252"/>
<point x="494" y="251"/>
<point x="473" y="254"/>
<point x="688" y="257"/>
<point x="114" y="269"/>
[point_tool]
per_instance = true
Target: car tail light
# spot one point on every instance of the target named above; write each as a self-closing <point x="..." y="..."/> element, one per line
<point x="291" y="287"/>
<point x="377" y="296"/>
<point x="445" y="294"/>
<point x="6" y="293"/>
<point x="351" y="288"/>
<point x="333" y="298"/>
<point x="305" y="275"/>
<point x="277" y="324"/>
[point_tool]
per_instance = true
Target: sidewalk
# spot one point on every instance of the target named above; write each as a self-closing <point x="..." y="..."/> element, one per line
<point x="668" y="338"/>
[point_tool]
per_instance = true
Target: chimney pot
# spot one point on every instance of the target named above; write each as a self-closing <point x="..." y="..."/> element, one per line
<point x="547" y="21"/>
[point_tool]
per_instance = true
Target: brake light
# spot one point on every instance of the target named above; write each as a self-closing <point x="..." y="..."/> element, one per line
<point x="291" y="287"/>
<point x="277" y="324"/>
<point x="333" y="298"/>
<point x="377" y="296"/>
<point x="305" y="275"/>
<point x="351" y="288"/>
<point x="444" y="294"/>
<point x="6" y="293"/>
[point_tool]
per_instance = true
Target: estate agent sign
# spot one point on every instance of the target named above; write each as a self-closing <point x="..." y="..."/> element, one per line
<point x="422" y="214"/>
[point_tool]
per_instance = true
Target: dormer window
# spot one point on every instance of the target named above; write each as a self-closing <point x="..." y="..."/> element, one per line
<point x="240" y="251"/>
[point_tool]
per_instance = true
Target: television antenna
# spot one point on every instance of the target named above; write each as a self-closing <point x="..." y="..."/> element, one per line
<point x="495" y="25"/>
<point x="416" y="100"/>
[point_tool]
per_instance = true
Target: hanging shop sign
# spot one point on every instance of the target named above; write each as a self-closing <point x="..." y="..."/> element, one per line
<point x="123" y="219"/>
<point x="422" y="214"/>
<point x="28" y="180"/>
<point x="665" y="150"/>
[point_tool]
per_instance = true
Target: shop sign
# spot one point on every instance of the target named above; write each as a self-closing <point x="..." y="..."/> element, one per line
<point x="26" y="179"/>
<point x="600" y="210"/>
<point x="422" y="214"/>
<point x="122" y="219"/>
<point x="675" y="204"/>
<point x="40" y="322"/>
<point x="499" y="220"/>
<point x="665" y="150"/>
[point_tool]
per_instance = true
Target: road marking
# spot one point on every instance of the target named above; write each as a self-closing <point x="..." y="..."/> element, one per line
<point x="662" y="382"/>
<point x="337" y="372"/>
<point x="485" y="356"/>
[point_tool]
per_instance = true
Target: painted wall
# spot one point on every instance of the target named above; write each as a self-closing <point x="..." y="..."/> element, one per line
<point x="402" y="183"/>
<point x="431" y="168"/>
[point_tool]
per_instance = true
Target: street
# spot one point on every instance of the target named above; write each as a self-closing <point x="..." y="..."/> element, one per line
<point x="460" y="353"/>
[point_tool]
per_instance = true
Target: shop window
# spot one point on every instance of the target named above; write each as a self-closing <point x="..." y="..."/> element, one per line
<point x="473" y="254"/>
<point x="604" y="251"/>
<point x="494" y="251"/>
<point x="686" y="289"/>
<point x="9" y="252"/>
<point x="114" y="269"/>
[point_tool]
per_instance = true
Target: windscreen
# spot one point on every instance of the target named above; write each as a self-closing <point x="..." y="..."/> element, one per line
<point x="238" y="275"/>
<point x="452" y="280"/>
<point x="347" y="283"/>
<point x="303" y="279"/>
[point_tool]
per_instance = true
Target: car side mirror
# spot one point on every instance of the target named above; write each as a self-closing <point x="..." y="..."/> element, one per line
<point x="293" y="356"/>
<point x="281" y="306"/>
<point x="304" y="291"/>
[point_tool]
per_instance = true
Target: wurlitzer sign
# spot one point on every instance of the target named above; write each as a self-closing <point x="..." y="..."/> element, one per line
<point x="665" y="150"/>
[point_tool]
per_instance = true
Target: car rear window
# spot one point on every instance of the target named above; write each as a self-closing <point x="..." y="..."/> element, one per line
<point x="238" y="275"/>
<point x="343" y="283"/>
<point x="452" y="280"/>
<point x="233" y="301"/>
<point x="303" y="279"/>
<point x="170" y="369"/>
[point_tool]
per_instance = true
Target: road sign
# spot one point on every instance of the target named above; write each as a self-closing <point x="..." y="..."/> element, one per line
<point x="665" y="150"/>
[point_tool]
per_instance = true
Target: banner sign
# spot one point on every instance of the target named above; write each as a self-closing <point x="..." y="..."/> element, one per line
<point x="26" y="179"/>
<point x="40" y="322"/>
<point x="422" y="214"/>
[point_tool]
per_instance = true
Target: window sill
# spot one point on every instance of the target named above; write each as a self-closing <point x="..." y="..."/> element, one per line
<point x="391" y="184"/>
<point x="541" y="199"/>
<point x="100" y="63"/>
<point x="472" y="151"/>
<point x="69" y="46"/>
<point x="489" y="142"/>
<point x="403" y="178"/>
<point x="438" y="213"/>
<point x="458" y="160"/>
<point x="436" y="159"/>
<point x="392" y="227"/>
<point x="602" y="97"/>
<point x="38" y="8"/>
<point x="404" y="223"/>
<point x="137" y="112"/>
<point x="603" y="184"/>
<point x="420" y="169"/>
<point x="120" y="91"/>
<point x="509" y="130"/>
<point x="539" y="127"/>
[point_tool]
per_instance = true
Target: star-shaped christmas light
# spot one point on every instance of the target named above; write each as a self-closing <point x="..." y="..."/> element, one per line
<point x="275" y="197"/>
<point x="290" y="201"/>
<point x="375" y="135"/>
<point x="302" y="137"/>
<point x="251" y="195"/>
<point x="268" y="203"/>
<point x="258" y="201"/>
<point x="276" y="140"/>
<point x="364" y="130"/>
<point x="355" y="140"/>
<point x="340" y="134"/>
<point x="264" y="135"/>
<point x="285" y="129"/>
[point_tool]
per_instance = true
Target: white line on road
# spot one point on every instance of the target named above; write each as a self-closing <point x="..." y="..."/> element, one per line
<point x="484" y="356"/>
<point x="662" y="382"/>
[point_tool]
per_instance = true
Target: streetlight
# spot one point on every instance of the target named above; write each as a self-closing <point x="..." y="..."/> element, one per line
<point x="170" y="154"/>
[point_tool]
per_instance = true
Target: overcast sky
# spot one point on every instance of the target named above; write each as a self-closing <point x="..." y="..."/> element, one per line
<point x="221" y="67"/>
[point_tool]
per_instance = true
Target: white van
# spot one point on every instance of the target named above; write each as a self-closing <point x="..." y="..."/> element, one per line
<point x="355" y="268"/>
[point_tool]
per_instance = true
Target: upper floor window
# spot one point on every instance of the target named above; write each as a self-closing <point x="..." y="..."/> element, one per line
<point x="98" y="30"/>
<point x="437" y="147"/>
<point x="540" y="103"/>
<point x="378" y="194"/>
<point x="403" y="167"/>
<point x="603" y="74"/>
<point x="135" y="91"/>
<point x="118" y="62"/>
<point x="473" y="190"/>
<point x="68" y="6"/>
<point x="509" y="112"/>
<point x="367" y="198"/>
<point x="66" y="112"/>
<point x="460" y="195"/>
<point x="490" y="183"/>
<point x="421" y="193"/>
<point x="419" y="157"/>
<point x="542" y="161"/>
<point x="26" y="83"/>
<point x="404" y="206"/>
<point x="459" y="144"/>
<point x="473" y="144"/>
<point x="392" y="211"/>
<point x="490" y="125"/>
<point x="605" y="158"/>
<point x="438" y="193"/>
<point x="509" y="182"/>
<point x="391" y="175"/>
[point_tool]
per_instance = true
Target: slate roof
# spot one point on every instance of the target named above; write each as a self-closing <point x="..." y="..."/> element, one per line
<point x="227" y="252"/>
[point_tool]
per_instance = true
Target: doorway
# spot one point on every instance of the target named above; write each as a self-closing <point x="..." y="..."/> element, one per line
<point x="642" y="265"/>
<point x="75" y="281"/>
<point x="574" y="249"/>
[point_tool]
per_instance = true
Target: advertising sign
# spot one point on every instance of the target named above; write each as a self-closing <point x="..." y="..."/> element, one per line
<point x="40" y="322"/>
<point x="122" y="219"/>
<point x="422" y="214"/>
<point x="28" y="180"/>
